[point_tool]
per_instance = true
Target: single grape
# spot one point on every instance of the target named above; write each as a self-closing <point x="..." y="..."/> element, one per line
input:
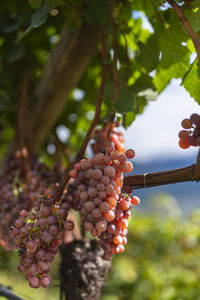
<point x="31" y="246"/>
<point x="109" y="171"/>
<point x="130" y="153"/>
<point x="135" y="200"/>
<point x="34" y="282"/>
<point x="89" y="206"/>
<point x="104" y="207"/>
<point x="96" y="213"/>
<point x="109" y="216"/>
<point x="184" y="144"/>
<point x="186" y="124"/>
<point x="101" y="226"/>
<point x="45" y="281"/>
<point x="69" y="225"/>
<point x="97" y="174"/>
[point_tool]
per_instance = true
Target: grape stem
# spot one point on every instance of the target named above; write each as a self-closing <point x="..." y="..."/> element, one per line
<point x="116" y="80"/>
<point x="179" y="12"/>
<point x="96" y="119"/>
<point x="164" y="177"/>
<point x="22" y="140"/>
<point x="7" y="293"/>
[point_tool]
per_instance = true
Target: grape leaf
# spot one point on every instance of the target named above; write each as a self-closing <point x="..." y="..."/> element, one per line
<point x="127" y="94"/>
<point x="149" y="54"/>
<point x="37" y="20"/>
<point x="191" y="82"/>
<point x="128" y="119"/>
<point x="126" y="99"/>
<point x="164" y="76"/>
<point x="172" y="49"/>
<point x="145" y="6"/>
<point x="144" y="82"/>
<point x="193" y="17"/>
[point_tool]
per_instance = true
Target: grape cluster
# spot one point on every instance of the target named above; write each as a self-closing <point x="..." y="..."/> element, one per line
<point x="19" y="191"/>
<point x="114" y="137"/>
<point x="38" y="234"/>
<point x="12" y="198"/>
<point x="190" y="136"/>
<point x="104" y="209"/>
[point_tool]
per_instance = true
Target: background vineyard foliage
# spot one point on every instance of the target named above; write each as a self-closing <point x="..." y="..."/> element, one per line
<point x="161" y="260"/>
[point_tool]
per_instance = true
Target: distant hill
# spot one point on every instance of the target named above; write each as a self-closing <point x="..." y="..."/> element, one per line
<point x="187" y="194"/>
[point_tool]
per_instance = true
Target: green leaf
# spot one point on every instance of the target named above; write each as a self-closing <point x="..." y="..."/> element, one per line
<point x="128" y="95"/>
<point x="96" y="12"/>
<point x="193" y="18"/>
<point x="126" y="100"/>
<point x="144" y="5"/>
<point x="35" y="3"/>
<point x="108" y="94"/>
<point x="171" y="47"/>
<point x="149" y="54"/>
<point x="128" y="119"/>
<point x="37" y="20"/>
<point x="191" y="83"/>
<point x="164" y="76"/>
<point x="144" y="82"/>
<point x="40" y="16"/>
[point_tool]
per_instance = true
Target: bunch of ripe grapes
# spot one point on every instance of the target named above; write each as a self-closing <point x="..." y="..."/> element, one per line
<point x="104" y="208"/>
<point x="190" y="136"/>
<point x="19" y="191"/>
<point x="38" y="234"/>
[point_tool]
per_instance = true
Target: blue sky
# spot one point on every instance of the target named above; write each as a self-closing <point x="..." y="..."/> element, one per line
<point x="154" y="134"/>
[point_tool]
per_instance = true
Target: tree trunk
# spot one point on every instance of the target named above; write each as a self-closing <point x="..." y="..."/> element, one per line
<point x="67" y="63"/>
<point x="82" y="270"/>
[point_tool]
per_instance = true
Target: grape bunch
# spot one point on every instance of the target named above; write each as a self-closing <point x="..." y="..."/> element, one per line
<point x="104" y="209"/>
<point x="115" y="138"/>
<point x="190" y="136"/>
<point x="12" y="198"/>
<point x="38" y="234"/>
<point x="20" y="191"/>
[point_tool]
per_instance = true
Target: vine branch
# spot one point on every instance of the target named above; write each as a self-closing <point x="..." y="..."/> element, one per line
<point x="161" y="178"/>
<point x="116" y="80"/>
<point x="7" y="293"/>
<point x="179" y="12"/>
<point x="115" y="72"/>
<point x="96" y="119"/>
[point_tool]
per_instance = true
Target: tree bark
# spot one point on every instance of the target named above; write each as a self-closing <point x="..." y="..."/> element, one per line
<point x="63" y="71"/>
<point x="82" y="270"/>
